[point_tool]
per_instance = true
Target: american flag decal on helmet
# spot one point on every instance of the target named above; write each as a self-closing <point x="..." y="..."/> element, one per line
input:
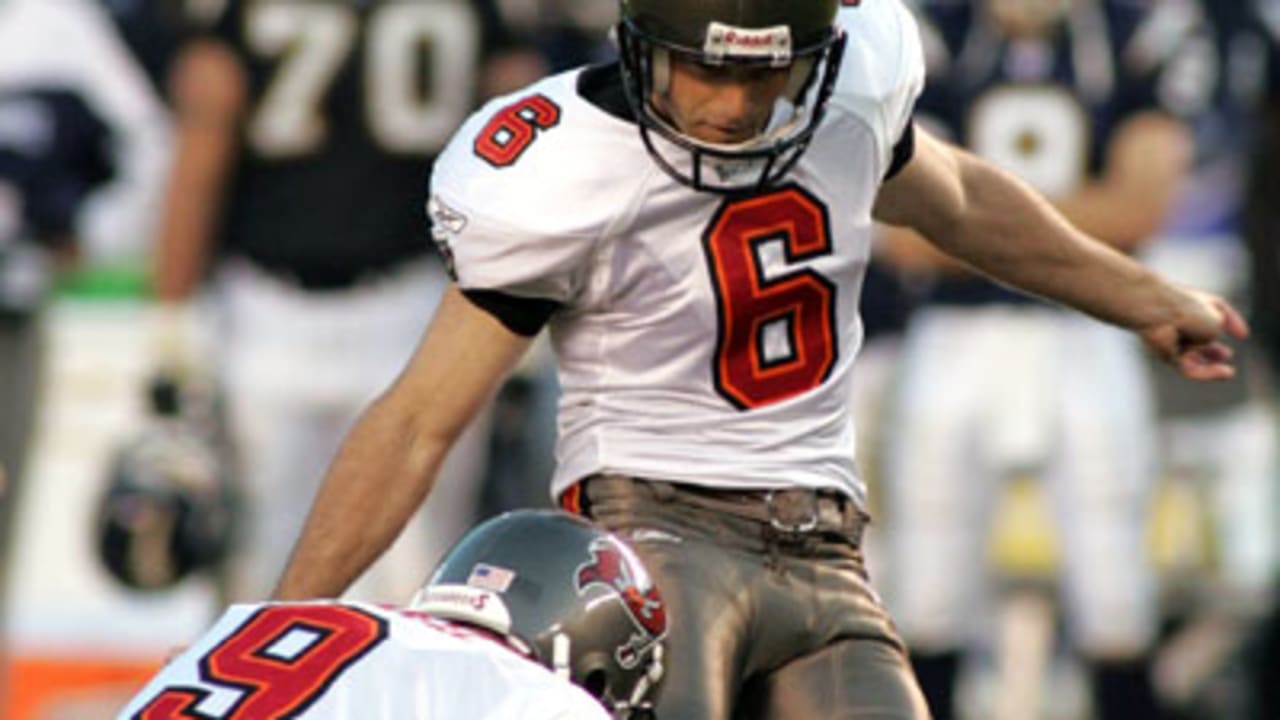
<point x="491" y="577"/>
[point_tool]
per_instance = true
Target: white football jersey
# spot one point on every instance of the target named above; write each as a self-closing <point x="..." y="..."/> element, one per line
<point x="703" y="338"/>
<point x="353" y="661"/>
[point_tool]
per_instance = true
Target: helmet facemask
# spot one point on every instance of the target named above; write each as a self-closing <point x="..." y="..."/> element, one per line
<point x="731" y="167"/>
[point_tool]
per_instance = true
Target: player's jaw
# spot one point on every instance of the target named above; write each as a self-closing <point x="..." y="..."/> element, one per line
<point x="723" y="105"/>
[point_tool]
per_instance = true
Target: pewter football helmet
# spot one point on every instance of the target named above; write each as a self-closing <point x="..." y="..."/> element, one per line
<point x="799" y="35"/>
<point x="565" y="593"/>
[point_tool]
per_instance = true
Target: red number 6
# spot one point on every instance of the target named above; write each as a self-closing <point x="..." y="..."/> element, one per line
<point x="274" y="685"/>
<point x="747" y="303"/>
<point x="514" y="128"/>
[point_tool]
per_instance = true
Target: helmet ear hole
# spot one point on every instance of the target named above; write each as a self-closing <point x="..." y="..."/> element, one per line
<point x="596" y="682"/>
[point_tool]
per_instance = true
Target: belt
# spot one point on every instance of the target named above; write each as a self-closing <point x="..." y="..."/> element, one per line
<point x="791" y="512"/>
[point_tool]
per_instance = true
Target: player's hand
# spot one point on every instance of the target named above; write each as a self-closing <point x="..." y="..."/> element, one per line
<point x="1192" y="341"/>
<point x="175" y="329"/>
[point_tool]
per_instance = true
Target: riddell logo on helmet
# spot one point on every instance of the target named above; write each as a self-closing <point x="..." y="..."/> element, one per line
<point x="725" y="41"/>
<point x="610" y="566"/>
<point x="733" y="38"/>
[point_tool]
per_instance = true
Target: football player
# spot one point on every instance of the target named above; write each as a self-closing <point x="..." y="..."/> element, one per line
<point x="80" y="131"/>
<point x="305" y="135"/>
<point x="533" y="615"/>
<point x="1220" y="441"/>
<point x="692" y="224"/>
<point x="1263" y="184"/>
<point x="1082" y="100"/>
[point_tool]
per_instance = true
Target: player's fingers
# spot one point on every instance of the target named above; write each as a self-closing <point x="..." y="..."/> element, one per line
<point x="1210" y="352"/>
<point x="1206" y="362"/>
<point x="1232" y="321"/>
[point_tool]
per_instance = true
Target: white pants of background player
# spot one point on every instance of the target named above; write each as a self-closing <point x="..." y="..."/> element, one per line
<point x="989" y="392"/>
<point x="298" y="368"/>
<point x="1233" y="454"/>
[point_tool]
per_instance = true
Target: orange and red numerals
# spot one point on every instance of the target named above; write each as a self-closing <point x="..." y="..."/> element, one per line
<point x="514" y="128"/>
<point x="281" y="660"/>
<point x="777" y="335"/>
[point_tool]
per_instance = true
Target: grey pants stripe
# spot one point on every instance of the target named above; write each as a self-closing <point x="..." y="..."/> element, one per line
<point x="762" y="627"/>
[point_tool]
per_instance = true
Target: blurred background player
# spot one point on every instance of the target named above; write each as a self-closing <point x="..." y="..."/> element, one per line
<point x="53" y="152"/>
<point x="153" y="30"/>
<point x="77" y="123"/>
<point x="305" y="137"/>
<point x="566" y="33"/>
<point x="1262" y="234"/>
<point x="533" y="615"/>
<point x="1220" y="498"/>
<point x="1076" y="97"/>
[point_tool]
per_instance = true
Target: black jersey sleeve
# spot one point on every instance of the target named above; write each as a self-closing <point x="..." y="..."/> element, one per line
<point x="520" y="315"/>
<point x="903" y="151"/>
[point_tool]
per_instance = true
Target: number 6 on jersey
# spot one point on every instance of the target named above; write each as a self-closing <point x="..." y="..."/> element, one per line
<point x="776" y="336"/>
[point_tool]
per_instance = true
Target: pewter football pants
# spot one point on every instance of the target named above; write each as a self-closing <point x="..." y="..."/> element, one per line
<point x="759" y="628"/>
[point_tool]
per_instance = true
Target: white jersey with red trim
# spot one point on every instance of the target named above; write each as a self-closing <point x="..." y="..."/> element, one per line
<point x="353" y="661"/>
<point x="703" y="338"/>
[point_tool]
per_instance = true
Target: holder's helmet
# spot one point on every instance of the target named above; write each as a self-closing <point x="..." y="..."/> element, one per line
<point x="797" y="35"/>
<point x="566" y="594"/>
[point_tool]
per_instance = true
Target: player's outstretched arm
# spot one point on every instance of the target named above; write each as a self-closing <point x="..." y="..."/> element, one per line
<point x="976" y="212"/>
<point x="388" y="463"/>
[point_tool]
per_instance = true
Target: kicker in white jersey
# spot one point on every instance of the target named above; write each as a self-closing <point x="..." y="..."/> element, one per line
<point x="693" y="324"/>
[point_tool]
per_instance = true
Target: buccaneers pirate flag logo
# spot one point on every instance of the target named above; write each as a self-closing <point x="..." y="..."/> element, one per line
<point x="614" y="567"/>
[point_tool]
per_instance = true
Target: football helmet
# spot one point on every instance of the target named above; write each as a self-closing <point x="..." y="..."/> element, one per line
<point x="169" y="508"/>
<point x="564" y="593"/>
<point x="797" y="35"/>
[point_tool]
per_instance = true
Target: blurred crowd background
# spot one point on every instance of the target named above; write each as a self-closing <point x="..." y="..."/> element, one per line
<point x="213" y="253"/>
